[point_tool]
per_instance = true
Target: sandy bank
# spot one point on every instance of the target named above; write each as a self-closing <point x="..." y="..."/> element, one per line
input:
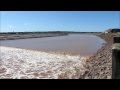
<point x="21" y="63"/>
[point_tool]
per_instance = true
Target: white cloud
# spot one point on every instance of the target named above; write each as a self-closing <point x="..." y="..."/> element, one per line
<point x="10" y="26"/>
<point x="27" y="24"/>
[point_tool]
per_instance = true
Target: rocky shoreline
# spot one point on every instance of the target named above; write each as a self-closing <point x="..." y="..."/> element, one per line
<point x="99" y="66"/>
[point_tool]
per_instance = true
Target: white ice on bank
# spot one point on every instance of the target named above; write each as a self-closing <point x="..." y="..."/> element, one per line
<point x="28" y="64"/>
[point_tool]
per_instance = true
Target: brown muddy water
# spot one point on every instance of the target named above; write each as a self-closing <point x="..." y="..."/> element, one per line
<point x="82" y="44"/>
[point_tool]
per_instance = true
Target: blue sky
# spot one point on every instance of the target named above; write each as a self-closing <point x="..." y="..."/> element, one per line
<point x="83" y="21"/>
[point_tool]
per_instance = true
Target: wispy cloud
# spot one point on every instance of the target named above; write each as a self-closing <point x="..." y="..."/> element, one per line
<point x="10" y="26"/>
<point x="26" y="24"/>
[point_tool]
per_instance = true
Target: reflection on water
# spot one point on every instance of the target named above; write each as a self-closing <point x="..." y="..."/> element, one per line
<point x="78" y="44"/>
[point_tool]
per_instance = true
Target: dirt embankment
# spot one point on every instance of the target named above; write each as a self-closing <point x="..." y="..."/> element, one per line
<point x="26" y="36"/>
<point x="99" y="66"/>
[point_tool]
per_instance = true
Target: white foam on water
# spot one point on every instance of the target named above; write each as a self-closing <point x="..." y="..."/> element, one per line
<point x="20" y="63"/>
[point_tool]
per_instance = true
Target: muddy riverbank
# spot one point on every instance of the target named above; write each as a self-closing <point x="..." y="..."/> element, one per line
<point x="99" y="66"/>
<point x="27" y="35"/>
<point x="22" y="35"/>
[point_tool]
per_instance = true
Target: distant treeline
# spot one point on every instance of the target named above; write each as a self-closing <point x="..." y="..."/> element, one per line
<point x="33" y="32"/>
<point x="52" y="32"/>
<point x="80" y="32"/>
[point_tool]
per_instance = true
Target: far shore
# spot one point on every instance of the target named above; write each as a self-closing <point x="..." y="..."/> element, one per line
<point x="26" y="35"/>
